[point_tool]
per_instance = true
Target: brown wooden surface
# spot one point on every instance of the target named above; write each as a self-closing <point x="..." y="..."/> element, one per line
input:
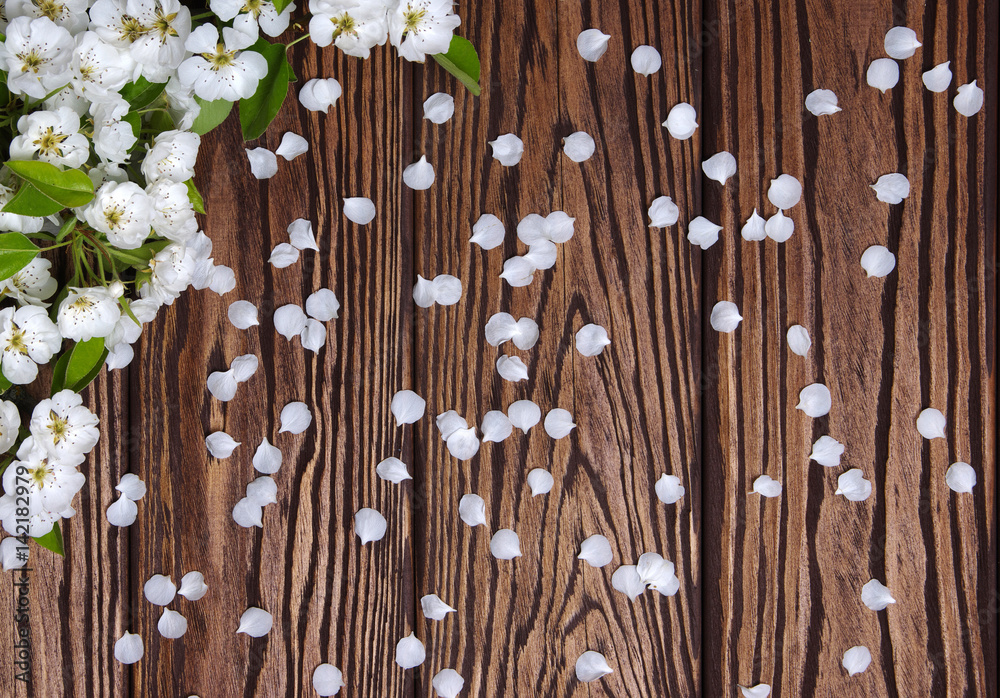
<point x="770" y="590"/>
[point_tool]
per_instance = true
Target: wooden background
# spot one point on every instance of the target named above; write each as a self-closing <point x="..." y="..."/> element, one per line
<point x="770" y="589"/>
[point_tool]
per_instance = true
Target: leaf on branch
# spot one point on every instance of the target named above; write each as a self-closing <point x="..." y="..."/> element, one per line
<point x="462" y="61"/>
<point x="52" y="540"/>
<point x="28" y="201"/>
<point x="197" y="202"/>
<point x="211" y="115"/>
<point x="259" y="109"/>
<point x="79" y="366"/>
<point x="15" y="252"/>
<point x="70" y="188"/>
<point x="141" y="93"/>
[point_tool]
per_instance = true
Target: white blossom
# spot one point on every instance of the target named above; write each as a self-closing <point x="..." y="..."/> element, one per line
<point x="27" y="338"/>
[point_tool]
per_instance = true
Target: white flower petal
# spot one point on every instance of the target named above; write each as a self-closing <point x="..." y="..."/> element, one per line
<point x="193" y="586"/>
<point x="892" y="188"/>
<point x="220" y="444"/>
<point x="969" y="99"/>
<point x="447" y="289"/>
<point x="393" y="470"/>
<point x="132" y="487"/>
<point x="524" y="414"/>
<point x="410" y="652"/>
<point x="719" y="167"/>
<point x="449" y="422"/>
<point x="248" y="513"/>
<point x="877" y="261"/>
<point x="540" y="481"/>
<point x="434" y="608"/>
<point x="579" y="146"/>
<point x="500" y="328"/>
<point x="222" y="385"/>
<point x="505" y="545"/>
<point x="507" y="149"/>
<point x="292" y="146"/>
<point x="559" y="423"/>
<point x="784" y="192"/>
<point x="172" y="624"/>
<point x="853" y="485"/>
<point x="463" y="443"/>
<point x="13" y="555"/>
<point x="255" y="622"/>
<point x="300" y="234"/>
<point x="856" y="660"/>
<point x="591" y="340"/>
<point x="592" y="44"/>
<point x="883" y="74"/>
<point x="931" y="424"/>
<point x="243" y="367"/>
<point x="243" y="314"/>
<point x="703" y="232"/>
<point x="323" y="305"/>
<point x="827" y="451"/>
<point x="901" y="42"/>
<point x="263" y="163"/>
<point x="779" y="227"/>
<point x="822" y="102"/>
<point x="961" y="477"/>
<point x="262" y="491"/>
<point x="289" y="321"/>
<point x="542" y="254"/>
<point x="283" y="255"/>
<point x="496" y="427"/>
<point x="122" y="512"/>
<point x="761" y="690"/>
<point x="419" y="175"/>
<point x="591" y="666"/>
<point x="320" y="94"/>
<point x="558" y="227"/>
<point x="295" y="418"/>
<point x="439" y="107"/>
<point x="313" y="335"/>
<point x="814" y="400"/>
<point x="725" y="317"/>
<point x="327" y="680"/>
<point x="488" y="232"/>
<point x="669" y="489"/>
<point x="369" y="525"/>
<point x="472" y="510"/>
<point x="359" y="210"/>
<point x="938" y="78"/>
<point x="511" y="368"/>
<point x="798" y="340"/>
<point x="663" y="212"/>
<point x="682" y="121"/>
<point x="423" y="292"/>
<point x="876" y="596"/>
<point x="626" y="580"/>
<point x="595" y="551"/>
<point x="646" y="60"/>
<point x="267" y="458"/>
<point x="517" y="271"/>
<point x="407" y="407"/>
<point x="754" y="230"/>
<point x="447" y="683"/>
<point x="766" y="486"/>
<point x="129" y="648"/>
<point x="526" y="335"/>
<point x="159" y="590"/>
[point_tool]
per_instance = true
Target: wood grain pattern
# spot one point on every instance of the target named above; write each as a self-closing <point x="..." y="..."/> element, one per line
<point x="784" y="576"/>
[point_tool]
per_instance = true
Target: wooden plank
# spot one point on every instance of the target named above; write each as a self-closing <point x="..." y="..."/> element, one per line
<point x="332" y="599"/>
<point x="521" y="625"/>
<point x="783" y="576"/>
<point x="78" y="604"/>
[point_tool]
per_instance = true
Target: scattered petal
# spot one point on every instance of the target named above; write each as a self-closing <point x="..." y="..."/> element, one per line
<point x="703" y="232"/>
<point x="524" y="414"/>
<point x="761" y="690"/>
<point x="682" y="121"/>
<point x="323" y="305"/>
<point x="559" y="423"/>
<point x="725" y="317"/>
<point x="128" y="648"/>
<point x="447" y="289"/>
<point x="292" y="146"/>
<point x="526" y="335"/>
<point x="439" y="107"/>
<point x="542" y="254"/>
<point x="558" y="226"/>
<point x="13" y="554"/>
<point x="646" y="60"/>
<point x="853" y="486"/>
<point x="449" y="422"/>
<point x="423" y="292"/>
<point x="938" y="78"/>
<point x="243" y="367"/>
<point x="877" y="261"/>
<point x="822" y="102"/>
<point x="798" y="340"/>
<point x="488" y="232"/>
<point x="407" y="407"/>
<point x="669" y="489"/>
<point x="289" y="321"/>
<point x="313" y="335"/>
<point x="295" y="418"/>
<point x="132" y="487"/>
<point x="320" y="94"/>
<point x="512" y="369"/>
<point x="876" y="596"/>
<point x="856" y="660"/>
<point x="540" y="481"/>
<point x="766" y="486"/>
<point x="591" y="340"/>
<point x="463" y="443"/>
<point x="901" y="42"/>
<point x="369" y="525"/>
<point x="472" y="510"/>
<point x="595" y="551"/>
<point x="172" y="624"/>
<point x="517" y="271"/>
<point x="931" y="423"/>
<point x="579" y="146"/>
<point x="754" y="229"/>
<point x="263" y="163"/>
<point x="892" y="188"/>
<point x="592" y="44"/>
<point x="505" y="545"/>
<point x="663" y="212"/>
<point x="248" y="513"/>
<point x="779" y="227"/>
<point x="626" y="579"/>
<point x="300" y="234"/>
<point x="969" y="99"/>
<point x="327" y="680"/>
<point x="410" y="652"/>
<point x="243" y="314"/>
<point x="447" y="683"/>
<point x="507" y="149"/>
<point x="262" y="491"/>
<point x="591" y="666"/>
<point x="496" y="427"/>
<point x="434" y="608"/>
<point x="827" y="451"/>
<point x="283" y="255"/>
<point x="500" y="328"/>
<point x="193" y="586"/>
<point x="814" y="400"/>
<point x="359" y="210"/>
<point x="393" y="470"/>
<point x="658" y="574"/>
<point x="122" y="512"/>
<point x="883" y="74"/>
<point x="720" y="167"/>
<point x="220" y="444"/>
<point x="784" y="192"/>
<point x="267" y="458"/>
<point x="419" y="175"/>
<point x="255" y="622"/>
<point x="961" y="477"/>
<point x="159" y="590"/>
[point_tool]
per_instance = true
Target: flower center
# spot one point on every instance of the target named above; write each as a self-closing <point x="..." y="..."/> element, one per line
<point x="344" y="24"/>
<point x="82" y="303"/>
<point x="50" y="141"/>
<point x="413" y="17"/>
<point x="131" y="29"/>
<point x="58" y="427"/>
<point x="113" y="217"/>
<point x="31" y="61"/>
<point x="39" y="473"/>
<point x="220" y="59"/>
<point x="163" y="24"/>
<point x="16" y="341"/>
<point x="52" y="10"/>
<point x="254" y="7"/>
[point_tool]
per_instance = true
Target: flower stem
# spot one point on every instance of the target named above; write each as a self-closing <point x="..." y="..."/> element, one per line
<point x="295" y="41"/>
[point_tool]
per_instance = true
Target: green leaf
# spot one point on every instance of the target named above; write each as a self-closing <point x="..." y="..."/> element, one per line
<point x="4" y="383"/>
<point x="280" y="5"/>
<point x="15" y="252"/>
<point x="52" y="540"/>
<point x="141" y="93"/>
<point x="79" y="365"/>
<point x="258" y="110"/>
<point x="133" y="120"/>
<point x="139" y="258"/>
<point x="66" y="228"/>
<point x="59" y="371"/>
<point x="28" y="201"/>
<point x="195" y="196"/>
<point x="211" y="115"/>
<point x="462" y="61"/>
<point x="71" y="188"/>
